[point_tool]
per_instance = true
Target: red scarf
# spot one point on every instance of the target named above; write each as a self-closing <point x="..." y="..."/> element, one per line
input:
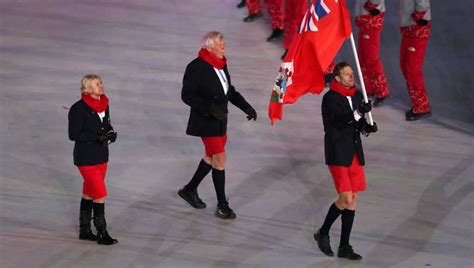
<point x="342" y="90"/>
<point x="98" y="105"/>
<point x="210" y="58"/>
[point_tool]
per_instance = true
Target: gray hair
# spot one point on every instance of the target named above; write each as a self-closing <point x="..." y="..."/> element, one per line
<point x="208" y="39"/>
<point x="86" y="81"/>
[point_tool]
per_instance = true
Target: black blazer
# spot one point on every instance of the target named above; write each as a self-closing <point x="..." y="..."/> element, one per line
<point x="341" y="130"/>
<point x="85" y="128"/>
<point x="201" y="87"/>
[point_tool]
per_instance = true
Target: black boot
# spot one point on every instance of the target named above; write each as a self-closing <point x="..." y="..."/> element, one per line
<point x="242" y="4"/>
<point x="284" y="54"/>
<point x="85" y="217"/>
<point x="252" y="17"/>
<point x="276" y="34"/>
<point x="103" y="237"/>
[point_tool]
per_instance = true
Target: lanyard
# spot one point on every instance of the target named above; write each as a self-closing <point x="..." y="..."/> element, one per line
<point x="222" y="75"/>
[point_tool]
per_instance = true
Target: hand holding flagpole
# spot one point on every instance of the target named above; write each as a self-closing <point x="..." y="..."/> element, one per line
<point x="359" y="72"/>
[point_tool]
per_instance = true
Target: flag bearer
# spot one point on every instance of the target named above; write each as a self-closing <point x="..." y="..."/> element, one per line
<point x="343" y="118"/>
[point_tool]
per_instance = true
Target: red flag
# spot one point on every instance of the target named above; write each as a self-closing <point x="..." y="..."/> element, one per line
<point x="322" y="31"/>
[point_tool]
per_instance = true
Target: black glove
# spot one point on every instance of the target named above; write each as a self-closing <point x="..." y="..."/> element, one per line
<point x="251" y="114"/>
<point x="112" y="136"/>
<point x="364" y="107"/>
<point x="422" y="22"/>
<point x="108" y="137"/>
<point x="217" y="112"/>
<point x="103" y="139"/>
<point x="374" y="12"/>
<point x="370" y="128"/>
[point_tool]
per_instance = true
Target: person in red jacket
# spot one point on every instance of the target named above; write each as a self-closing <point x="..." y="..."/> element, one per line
<point x="275" y="9"/>
<point x="415" y="26"/>
<point x="90" y="128"/>
<point x="294" y="13"/>
<point x="369" y="18"/>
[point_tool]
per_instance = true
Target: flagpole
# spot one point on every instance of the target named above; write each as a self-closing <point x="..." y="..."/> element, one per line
<point x="364" y="92"/>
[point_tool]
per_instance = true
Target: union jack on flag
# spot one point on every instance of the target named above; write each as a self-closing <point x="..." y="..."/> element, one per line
<point x="314" y="13"/>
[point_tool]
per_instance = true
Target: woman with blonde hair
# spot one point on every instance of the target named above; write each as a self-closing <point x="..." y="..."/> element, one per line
<point x="90" y="129"/>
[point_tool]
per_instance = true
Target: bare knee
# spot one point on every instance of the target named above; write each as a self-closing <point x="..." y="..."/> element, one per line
<point x="100" y="200"/>
<point x="345" y="200"/>
<point x="218" y="161"/>
<point x="207" y="160"/>
<point x="352" y="205"/>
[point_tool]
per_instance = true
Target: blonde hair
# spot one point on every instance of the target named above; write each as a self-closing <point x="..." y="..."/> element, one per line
<point x="86" y="81"/>
<point x="208" y="39"/>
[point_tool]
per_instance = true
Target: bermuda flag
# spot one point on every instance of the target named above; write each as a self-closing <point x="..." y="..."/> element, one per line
<point x="322" y="31"/>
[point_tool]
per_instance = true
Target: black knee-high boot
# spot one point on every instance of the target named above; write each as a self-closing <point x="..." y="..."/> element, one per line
<point x="100" y="224"/>
<point x="85" y="217"/>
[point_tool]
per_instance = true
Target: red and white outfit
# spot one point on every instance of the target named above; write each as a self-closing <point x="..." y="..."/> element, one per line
<point x="275" y="10"/>
<point x="412" y="50"/>
<point x="370" y="27"/>
<point x="294" y="13"/>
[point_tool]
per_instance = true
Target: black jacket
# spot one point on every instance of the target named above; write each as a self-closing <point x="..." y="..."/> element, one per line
<point x="201" y="87"/>
<point x="341" y="130"/>
<point x="85" y="128"/>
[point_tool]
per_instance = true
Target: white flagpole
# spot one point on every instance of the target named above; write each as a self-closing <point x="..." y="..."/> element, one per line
<point x="356" y="57"/>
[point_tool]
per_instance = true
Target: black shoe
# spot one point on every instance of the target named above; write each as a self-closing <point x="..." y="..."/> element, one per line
<point x="348" y="253"/>
<point x="411" y="116"/>
<point x="192" y="198"/>
<point x="284" y="54"/>
<point x="242" y="4"/>
<point x="276" y="34"/>
<point x="87" y="234"/>
<point x="323" y="243"/>
<point x="225" y="212"/>
<point x="379" y="101"/>
<point x="252" y="17"/>
<point x="103" y="238"/>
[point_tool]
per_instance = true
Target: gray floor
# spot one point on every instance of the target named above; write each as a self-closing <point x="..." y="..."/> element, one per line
<point x="417" y="211"/>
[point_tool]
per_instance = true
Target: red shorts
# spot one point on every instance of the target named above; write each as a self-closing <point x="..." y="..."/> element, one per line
<point x="94" y="180"/>
<point x="349" y="179"/>
<point x="214" y="145"/>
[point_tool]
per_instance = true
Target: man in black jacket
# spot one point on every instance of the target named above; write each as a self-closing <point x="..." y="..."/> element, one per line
<point x="343" y="119"/>
<point x="207" y="89"/>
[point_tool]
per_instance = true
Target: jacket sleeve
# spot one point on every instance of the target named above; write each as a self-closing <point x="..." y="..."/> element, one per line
<point x="107" y="124"/>
<point x="75" y="129"/>
<point x="238" y="100"/>
<point x="189" y="93"/>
